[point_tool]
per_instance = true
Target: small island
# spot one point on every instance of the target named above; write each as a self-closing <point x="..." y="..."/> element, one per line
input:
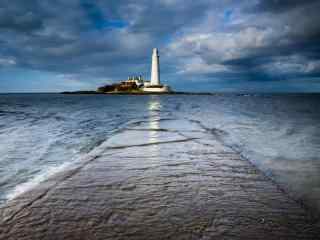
<point x="135" y="84"/>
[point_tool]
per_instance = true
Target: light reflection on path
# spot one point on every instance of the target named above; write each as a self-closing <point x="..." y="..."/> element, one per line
<point x="154" y="107"/>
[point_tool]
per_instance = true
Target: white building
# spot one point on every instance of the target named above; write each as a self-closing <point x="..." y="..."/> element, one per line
<point x="154" y="85"/>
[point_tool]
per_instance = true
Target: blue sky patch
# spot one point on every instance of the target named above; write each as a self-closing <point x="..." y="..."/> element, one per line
<point x="98" y="19"/>
<point x="227" y="15"/>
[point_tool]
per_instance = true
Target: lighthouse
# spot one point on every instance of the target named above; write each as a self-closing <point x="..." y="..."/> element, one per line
<point x="154" y="85"/>
<point x="155" y="68"/>
<point x="136" y="84"/>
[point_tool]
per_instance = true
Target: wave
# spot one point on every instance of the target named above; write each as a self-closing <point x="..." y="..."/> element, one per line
<point x="49" y="172"/>
<point x="35" y="181"/>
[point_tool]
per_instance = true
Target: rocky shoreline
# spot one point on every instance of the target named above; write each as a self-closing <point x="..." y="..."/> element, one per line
<point x="159" y="179"/>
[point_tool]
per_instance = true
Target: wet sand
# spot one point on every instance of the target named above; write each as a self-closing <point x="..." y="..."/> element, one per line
<point x="158" y="180"/>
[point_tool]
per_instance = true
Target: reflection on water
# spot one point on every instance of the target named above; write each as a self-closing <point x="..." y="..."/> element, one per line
<point x="154" y="107"/>
<point x="154" y="104"/>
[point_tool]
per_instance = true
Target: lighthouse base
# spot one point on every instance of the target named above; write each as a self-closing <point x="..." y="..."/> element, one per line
<point x="157" y="89"/>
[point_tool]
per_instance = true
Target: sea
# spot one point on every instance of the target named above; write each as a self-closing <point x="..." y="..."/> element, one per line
<point x="44" y="134"/>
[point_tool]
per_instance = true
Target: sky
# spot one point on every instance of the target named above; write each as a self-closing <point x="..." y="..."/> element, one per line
<point x="204" y="45"/>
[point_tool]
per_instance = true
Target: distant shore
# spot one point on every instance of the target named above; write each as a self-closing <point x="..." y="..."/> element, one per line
<point x="138" y="93"/>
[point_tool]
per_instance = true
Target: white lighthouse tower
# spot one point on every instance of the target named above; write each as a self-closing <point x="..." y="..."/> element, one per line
<point x="155" y="71"/>
<point x="155" y="85"/>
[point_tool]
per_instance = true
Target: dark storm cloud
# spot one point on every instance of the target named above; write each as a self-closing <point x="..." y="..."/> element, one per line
<point x="19" y="16"/>
<point x="167" y="17"/>
<point x="279" y="6"/>
<point x="276" y="41"/>
<point x="25" y="22"/>
<point x="111" y="39"/>
<point x="62" y="36"/>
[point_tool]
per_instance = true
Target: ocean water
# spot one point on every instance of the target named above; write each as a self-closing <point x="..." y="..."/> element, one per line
<point x="42" y="134"/>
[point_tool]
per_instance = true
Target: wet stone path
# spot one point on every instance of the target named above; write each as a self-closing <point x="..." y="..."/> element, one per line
<point x="158" y="180"/>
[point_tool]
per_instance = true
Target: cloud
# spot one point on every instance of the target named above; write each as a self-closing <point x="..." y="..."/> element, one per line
<point x="277" y="6"/>
<point x="19" y="16"/>
<point x="255" y="44"/>
<point x="7" y="62"/>
<point x="94" y="40"/>
<point x="224" y="46"/>
<point x="197" y="66"/>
